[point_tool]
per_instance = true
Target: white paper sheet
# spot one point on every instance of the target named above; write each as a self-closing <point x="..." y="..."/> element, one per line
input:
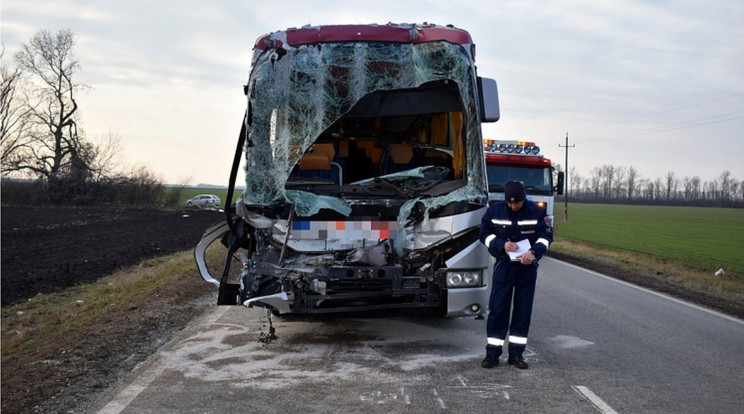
<point x="524" y="246"/>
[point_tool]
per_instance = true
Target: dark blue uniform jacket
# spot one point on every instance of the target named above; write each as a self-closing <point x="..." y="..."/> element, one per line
<point x="500" y="225"/>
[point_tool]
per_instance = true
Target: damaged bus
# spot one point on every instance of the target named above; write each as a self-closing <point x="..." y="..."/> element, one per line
<point x="365" y="178"/>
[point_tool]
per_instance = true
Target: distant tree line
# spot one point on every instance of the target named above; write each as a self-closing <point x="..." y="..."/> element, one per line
<point x="610" y="183"/>
<point x="44" y="151"/>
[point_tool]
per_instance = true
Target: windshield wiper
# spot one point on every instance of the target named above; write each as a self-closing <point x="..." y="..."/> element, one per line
<point x="535" y="189"/>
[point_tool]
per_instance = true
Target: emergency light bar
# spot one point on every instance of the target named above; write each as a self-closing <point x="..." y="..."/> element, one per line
<point x="510" y="147"/>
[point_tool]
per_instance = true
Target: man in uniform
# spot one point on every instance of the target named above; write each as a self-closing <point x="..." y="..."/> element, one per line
<point x="505" y="223"/>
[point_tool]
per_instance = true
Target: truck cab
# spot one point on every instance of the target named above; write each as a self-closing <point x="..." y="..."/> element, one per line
<point x="365" y="179"/>
<point x="515" y="160"/>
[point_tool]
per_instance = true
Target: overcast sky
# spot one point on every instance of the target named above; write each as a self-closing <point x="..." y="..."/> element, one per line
<point x="656" y="85"/>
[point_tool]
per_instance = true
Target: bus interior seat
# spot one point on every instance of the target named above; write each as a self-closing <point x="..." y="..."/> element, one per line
<point x="318" y="165"/>
<point x="436" y="157"/>
<point x="325" y="148"/>
<point x="398" y="158"/>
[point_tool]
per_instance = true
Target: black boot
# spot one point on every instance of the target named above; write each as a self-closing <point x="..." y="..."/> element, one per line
<point x="518" y="362"/>
<point x="490" y="361"/>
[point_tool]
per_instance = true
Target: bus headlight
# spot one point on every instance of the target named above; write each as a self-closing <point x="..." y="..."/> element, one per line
<point x="464" y="278"/>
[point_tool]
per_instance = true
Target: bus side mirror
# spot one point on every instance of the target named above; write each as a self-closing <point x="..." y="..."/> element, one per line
<point x="488" y="95"/>
<point x="559" y="186"/>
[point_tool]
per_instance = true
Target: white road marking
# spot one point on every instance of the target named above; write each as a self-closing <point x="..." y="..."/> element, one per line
<point x="383" y="397"/>
<point x="486" y="390"/>
<point x="592" y="397"/>
<point x="128" y="395"/>
<point x="125" y="397"/>
<point x="673" y="299"/>
<point x="405" y="396"/>
<point x="439" y="399"/>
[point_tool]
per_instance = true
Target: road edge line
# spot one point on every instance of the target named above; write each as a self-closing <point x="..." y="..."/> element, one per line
<point x="125" y="397"/>
<point x="653" y="292"/>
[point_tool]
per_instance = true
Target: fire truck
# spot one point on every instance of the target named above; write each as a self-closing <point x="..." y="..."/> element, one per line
<point x="514" y="160"/>
<point x="365" y="180"/>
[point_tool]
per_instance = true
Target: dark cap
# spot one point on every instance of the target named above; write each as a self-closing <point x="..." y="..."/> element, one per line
<point x="514" y="191"/>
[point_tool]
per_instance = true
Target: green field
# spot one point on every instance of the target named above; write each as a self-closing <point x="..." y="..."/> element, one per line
<point x="702" y="238"/>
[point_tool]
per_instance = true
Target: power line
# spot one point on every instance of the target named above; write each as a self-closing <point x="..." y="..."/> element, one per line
<point x="623" y="121"/>
<point x="671" y="127"/>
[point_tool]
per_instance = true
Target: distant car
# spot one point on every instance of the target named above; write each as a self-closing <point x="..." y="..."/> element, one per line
<point x="204" y="201"/>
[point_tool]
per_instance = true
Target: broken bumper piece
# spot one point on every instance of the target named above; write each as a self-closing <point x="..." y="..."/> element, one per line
<point x="278" y="301"/>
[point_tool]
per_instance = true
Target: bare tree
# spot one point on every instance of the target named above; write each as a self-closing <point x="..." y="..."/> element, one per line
<point x="609" y="179"/>
<point x="687" y="189"/>
<point x="620" y="183"/>
<point x="643" y="190"/>
<point x="691" y="188"/>
<point x="710" y="190"/>
<point x="696" y="187"/>
<point x="725" y="182"/>
<point x="671" y="185"/>
<point x="631" y="182"/>
<point x="619" y="177"/>
<point x="105" y="157"/>
<point x="657" y="188"/>
<point x="57" y="150"/>
<point x="576" y="182"/>
<point x="739" y="191"/>
<point x="14" y="116"/>
<point x="596" y="180"/>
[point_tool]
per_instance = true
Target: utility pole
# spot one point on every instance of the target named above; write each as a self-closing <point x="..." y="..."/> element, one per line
<point x="565" y="191"/>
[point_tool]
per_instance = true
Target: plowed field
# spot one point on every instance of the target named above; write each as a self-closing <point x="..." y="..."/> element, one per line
<point x="46" y="248"/>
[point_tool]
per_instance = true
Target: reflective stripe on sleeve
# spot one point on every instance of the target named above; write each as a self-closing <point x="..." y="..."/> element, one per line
<point x="495" y="341"/>
<point x="489" y="239"/>
<point x="543" y="241"/>
<point x="501" y="222"/>
<point x="527" y="223"/>
<point x="518" y="340"/>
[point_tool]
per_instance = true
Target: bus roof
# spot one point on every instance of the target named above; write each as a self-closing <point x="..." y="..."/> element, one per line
<point x="391" y="32"/>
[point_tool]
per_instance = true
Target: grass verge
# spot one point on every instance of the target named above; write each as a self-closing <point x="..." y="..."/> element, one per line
<point x="46" y="317"/>
<point x="60" y="350"/>
<point x="701" y="238"/>
<point x="724" y="293"/>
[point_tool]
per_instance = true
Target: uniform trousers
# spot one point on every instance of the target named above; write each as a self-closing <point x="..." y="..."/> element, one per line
<point x="511" y="280"/>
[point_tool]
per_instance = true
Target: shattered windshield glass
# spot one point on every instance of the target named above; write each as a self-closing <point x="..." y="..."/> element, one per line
<point x="370" y="97"/>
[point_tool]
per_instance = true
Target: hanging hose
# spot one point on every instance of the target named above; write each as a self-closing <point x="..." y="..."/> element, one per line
<point x="228" y="293"/>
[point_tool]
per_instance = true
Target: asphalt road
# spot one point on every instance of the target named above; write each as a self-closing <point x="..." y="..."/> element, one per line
<point x="596" y="345"/>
